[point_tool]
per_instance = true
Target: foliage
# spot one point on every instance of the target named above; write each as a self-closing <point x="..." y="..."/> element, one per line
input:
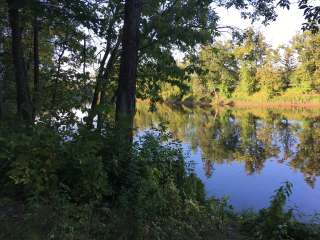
<point x="275" y="223"/>
<point x="250" y="55"/>
<point x="270" y="76"/>
<point x="248" y="69"/>
<point x="266" y="10"/>
<point x="219" y="67"/>
<point x="84" y="194"/>
<point x="307" y="74"/>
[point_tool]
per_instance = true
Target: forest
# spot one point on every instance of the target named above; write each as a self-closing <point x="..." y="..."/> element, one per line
<point x="247" y="68"/>
<point x="71" y="71"/>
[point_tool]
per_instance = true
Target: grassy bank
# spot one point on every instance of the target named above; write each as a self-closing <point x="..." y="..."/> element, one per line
<point x="292" y="98"/>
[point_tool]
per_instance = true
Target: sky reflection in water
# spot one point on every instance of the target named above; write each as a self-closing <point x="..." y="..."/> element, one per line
<point x="247" y="154"/>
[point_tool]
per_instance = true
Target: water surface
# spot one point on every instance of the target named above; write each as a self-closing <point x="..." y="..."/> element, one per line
<point x="245" y="154"/>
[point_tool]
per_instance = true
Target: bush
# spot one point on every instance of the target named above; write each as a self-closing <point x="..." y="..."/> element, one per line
<point x="73" y="185"/>
<point x="69" y="188"/>
<point x="274" y="223"/>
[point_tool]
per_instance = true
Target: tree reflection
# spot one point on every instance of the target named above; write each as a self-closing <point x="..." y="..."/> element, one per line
<point x="218" y="139"/>
<point x="256" y="144"/>
<point x="250" y="137"/>
<point x="287" y="138"/>
<point x="307" y="158"/>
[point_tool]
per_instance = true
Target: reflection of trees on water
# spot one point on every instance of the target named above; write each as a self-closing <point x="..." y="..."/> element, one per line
<point x="307" y="158"/>
<point x="225" y="136"/>
<point x="218" y="136"/>
<point x="256" y="143"/>
<point x="287" y="138"/>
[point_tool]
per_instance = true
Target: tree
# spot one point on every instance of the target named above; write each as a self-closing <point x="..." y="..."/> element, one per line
<point x="164" y="26"/>
<point x="288" y="62"/>
<point x="2" y="68"/>
<point x="180" y="25"/>
<point x="24" y="105"/>
<point x="126" y="93"/>
<point x="269" y="74"/>
<point x="113" y="37"/>
<point x="250" y="51"/>
<point x="307" y="74"/>
<point x="160" y="19"/>
<point x="266" y="9"/>
<point x="220" y="70"/>
<point x="36" y="63"/>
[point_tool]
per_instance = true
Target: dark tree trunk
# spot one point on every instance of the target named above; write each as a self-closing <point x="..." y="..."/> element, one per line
<point x="1" y="74"/>
<point x="103" y="70"/>
<point x="2" y="69"/>
<point x="97" y="90"/>
<point x="125" y="103"/>
<point x="126" y="93"/>
<point x="56" y="79"/>
<point x="108" y="72"/>
<point x="84" y="55"/>
<point x="36" y="62"/>
<point x="102" y="79"/>
<point x="24" y="106"/>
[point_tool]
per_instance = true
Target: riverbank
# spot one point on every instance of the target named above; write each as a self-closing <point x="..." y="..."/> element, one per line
<point x="247" y="144"/>
<point x="289" y="100"/>
<point x="75" y="189"/>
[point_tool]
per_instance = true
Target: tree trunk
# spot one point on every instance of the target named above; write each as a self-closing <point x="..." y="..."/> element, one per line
<point x="108" y="72"/>
<point x="102" y="79"/>
<point x="1" y="73"/>
<point x="36" y="62"/>
<point x="84" y="55"/>
<point x="24" y="106"/>
<point x="56" y="78"/>
<point x="102" y="70"/>
<point x="97" y="90"/>
<point x="126" y="93"/>
<point x="125" y="103"/>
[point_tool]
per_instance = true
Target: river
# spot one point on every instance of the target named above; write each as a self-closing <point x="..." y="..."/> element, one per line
<point x="246" y="154"/>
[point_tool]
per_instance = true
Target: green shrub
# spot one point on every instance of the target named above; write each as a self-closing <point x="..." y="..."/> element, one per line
<point x="75" y="187"/>
<point x="275" y="223"/>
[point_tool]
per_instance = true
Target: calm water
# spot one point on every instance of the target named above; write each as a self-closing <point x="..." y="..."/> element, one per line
<point x="247" y="154"/>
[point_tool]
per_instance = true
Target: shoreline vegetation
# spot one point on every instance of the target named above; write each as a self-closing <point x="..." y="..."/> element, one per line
<point x="239" y="220"/>
<point x="304" y="102"/>
<point x="249" y="73"/>
<point x="288" y="100"/>
<point x="246" y="104"/>
<point x="162" y="199"/>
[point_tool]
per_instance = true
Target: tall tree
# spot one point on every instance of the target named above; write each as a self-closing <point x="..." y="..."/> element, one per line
<point x="36" y="62"/>
<point x="24" y="105"/>
<point x="220" y="70"/>
<point x="289" y="65"/>
<point x="2" y="68"/>
<point x="126" y="93"/>
<point x="110" y="54"/>
<point x="269" y="74"/>
<point x="250" y="52"/>
<point x="307" y="74"/>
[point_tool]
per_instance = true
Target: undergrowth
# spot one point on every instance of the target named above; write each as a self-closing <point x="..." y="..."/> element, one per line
<point x="69" y="184"/>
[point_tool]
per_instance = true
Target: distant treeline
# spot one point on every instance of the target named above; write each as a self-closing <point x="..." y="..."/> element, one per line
<point x="247" y="68"/>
